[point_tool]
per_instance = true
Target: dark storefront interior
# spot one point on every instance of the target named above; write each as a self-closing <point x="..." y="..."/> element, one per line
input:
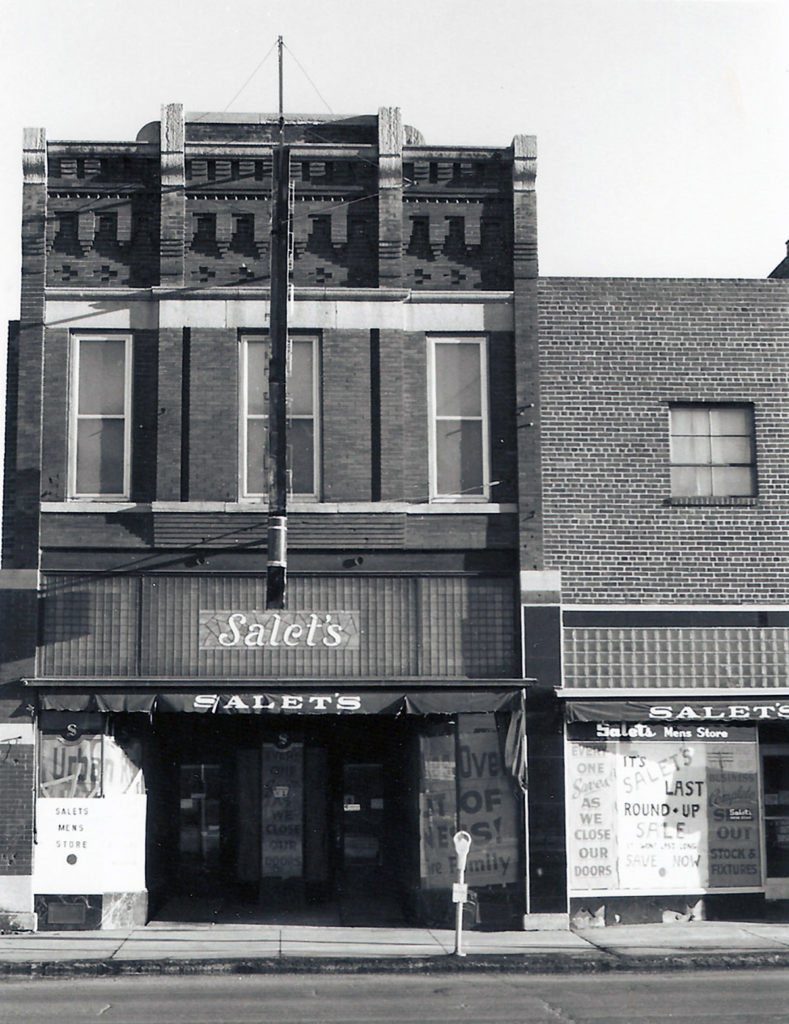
<point x="293" y="819"/>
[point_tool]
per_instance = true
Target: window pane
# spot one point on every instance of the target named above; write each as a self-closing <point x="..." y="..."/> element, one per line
<point x="690" y="420"/>
<point x="731" y="450"/>
<point x="257" y="377"/>
<point x="301" y="378"/>
<point x="732" y="481"/>
<point x="301" y="451"/>
<point x="102" y="366"/>
<point x="691" y="481"/>
<point x="692" y="450"/>
<point x="730" y="420"/>
<point x="257" y="440"/>
<point x="100" y="456"/>
<point x="457" y="379"/>
<point x="459" y="457"/>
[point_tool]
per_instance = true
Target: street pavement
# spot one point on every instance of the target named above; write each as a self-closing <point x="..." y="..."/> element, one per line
<point x="178" y="948"/>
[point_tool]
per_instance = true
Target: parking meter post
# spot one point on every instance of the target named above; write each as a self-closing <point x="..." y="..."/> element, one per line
<point x="462" y="841"/>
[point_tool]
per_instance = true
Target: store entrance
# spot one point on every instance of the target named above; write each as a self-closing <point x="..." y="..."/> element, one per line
<point x="299" y="819"/>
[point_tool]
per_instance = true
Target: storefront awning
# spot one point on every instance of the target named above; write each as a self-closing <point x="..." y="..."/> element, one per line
<point x="291" y="702"/>
<point x="723" y="709"/>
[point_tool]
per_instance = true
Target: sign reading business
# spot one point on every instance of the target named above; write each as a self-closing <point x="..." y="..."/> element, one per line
<point x="249" y="630"/>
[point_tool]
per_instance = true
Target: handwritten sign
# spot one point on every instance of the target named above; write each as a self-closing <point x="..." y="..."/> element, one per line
<point x="464" y="784"/>
<point x="282" y="810"/>
<point x="656" y="808"/>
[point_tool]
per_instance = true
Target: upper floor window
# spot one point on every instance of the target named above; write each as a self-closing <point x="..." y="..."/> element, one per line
<point x="458" y="406"/>
<point x="100" y="442"/>
<point x="713" y="453"/>
<point x="302" y="416"/>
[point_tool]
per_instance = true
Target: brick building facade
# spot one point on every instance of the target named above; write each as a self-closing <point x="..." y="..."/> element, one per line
<point x="535" y="549"/>
<point x="169" y="737"/>
<point x="665" y="436"/>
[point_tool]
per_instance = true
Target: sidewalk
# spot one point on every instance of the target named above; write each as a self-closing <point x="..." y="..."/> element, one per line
<point x="165" y="948"/>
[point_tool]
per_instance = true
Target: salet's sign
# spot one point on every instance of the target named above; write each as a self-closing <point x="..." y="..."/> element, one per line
<point x="250" y="630"/>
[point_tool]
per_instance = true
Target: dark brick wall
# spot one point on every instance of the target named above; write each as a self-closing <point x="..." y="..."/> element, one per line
<point x="54" y="453"/>
<point x="613" y="355"/>
<point x="347" y="415"/>
<point x="213" y="415"/>
<point x="17" y="778"/>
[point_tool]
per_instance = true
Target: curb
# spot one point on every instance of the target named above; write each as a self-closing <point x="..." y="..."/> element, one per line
<point x="532" y="963"/>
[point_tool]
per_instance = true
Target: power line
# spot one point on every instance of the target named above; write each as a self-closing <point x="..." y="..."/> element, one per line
<point x="303" y="71"/>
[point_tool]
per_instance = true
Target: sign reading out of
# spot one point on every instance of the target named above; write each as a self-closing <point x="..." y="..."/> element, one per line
<point x="278" y="630"/>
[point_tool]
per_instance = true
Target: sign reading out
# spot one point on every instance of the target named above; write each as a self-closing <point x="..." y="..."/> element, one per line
<point x="229" y="630"/>
<point x="467" y="783"/>
<point x="656" y="808"/>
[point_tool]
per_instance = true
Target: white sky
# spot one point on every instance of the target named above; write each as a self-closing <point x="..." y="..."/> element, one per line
<point x="662" y="125"/>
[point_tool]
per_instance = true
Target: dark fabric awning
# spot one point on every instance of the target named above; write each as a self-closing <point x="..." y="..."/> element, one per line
<point x="723" y="709"/>
<point x="348" y="701"/>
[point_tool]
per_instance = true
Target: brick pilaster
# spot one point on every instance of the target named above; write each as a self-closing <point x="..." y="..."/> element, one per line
<point x="390" y="196"/>
<point x="173" y="209"/>
<point x="524" y="230"/>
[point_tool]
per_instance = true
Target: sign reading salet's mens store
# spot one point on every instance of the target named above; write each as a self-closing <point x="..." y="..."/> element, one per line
<point x="245" y="630"/>
<point x="663" y="807"/>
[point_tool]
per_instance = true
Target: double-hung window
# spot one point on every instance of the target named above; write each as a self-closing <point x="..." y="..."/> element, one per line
<point x="713" y="453"/>
<point x="302" y="416"/>
<point x="100" y="437"/>
<point x="458" y="408"/>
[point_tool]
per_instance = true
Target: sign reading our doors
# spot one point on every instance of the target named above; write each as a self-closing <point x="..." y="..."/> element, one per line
<point x="229" y="629"/>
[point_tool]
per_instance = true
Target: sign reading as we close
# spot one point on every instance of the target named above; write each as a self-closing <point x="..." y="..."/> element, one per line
<point x="296" y="630"/>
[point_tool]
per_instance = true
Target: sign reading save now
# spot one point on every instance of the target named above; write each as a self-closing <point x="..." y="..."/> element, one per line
<point x="308" y="630"/>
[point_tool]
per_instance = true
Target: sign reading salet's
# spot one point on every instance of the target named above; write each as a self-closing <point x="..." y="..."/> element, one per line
<point x="250" y="630"/>
<point x="663" y="807"/>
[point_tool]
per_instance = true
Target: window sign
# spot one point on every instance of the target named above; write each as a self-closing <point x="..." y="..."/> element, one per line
<point x="465" y="784"/>
<point x="282" y="809"/>
<point x="663" y="808"/>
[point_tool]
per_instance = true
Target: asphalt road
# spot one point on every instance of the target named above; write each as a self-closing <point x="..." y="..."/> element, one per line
<point x="719" y="996"/>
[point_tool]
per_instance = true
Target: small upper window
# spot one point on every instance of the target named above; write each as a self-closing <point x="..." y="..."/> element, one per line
<point x="100" y="413"/>
<point x="459" y="463"/>
<point x="713" y="453"/>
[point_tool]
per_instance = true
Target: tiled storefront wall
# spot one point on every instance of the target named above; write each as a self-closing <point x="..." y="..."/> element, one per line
<point x="148" y="626"/>
<point x="614" y="354"/>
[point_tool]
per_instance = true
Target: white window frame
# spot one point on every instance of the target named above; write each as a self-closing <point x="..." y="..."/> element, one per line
<point x="481" y="340"/>
<point x="75" y="417"/>
<point x="245" y="416"/>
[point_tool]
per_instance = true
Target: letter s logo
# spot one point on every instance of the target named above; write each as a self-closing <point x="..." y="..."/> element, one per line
<point x="72" y="731"/>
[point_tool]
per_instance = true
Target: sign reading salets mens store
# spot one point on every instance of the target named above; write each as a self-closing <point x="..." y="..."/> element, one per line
<point x="309" y="630"/>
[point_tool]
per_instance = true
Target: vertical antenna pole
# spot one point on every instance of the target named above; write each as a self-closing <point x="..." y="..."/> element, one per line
<point x="276" y="469"/>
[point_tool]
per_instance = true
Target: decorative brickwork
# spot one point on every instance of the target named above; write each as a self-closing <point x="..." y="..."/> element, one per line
<point x="103" y="221"/>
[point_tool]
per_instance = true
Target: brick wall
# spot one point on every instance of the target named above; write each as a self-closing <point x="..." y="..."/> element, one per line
<point x="17" y="779"/>
<point x="613" y="355"/>
<point x="213" y="416"/>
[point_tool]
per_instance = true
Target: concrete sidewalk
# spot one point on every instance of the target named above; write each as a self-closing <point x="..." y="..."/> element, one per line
<point x="160" y="948"/>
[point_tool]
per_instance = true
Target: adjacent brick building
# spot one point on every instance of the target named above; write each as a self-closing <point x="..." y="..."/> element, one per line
<point x="665" y="436"/>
